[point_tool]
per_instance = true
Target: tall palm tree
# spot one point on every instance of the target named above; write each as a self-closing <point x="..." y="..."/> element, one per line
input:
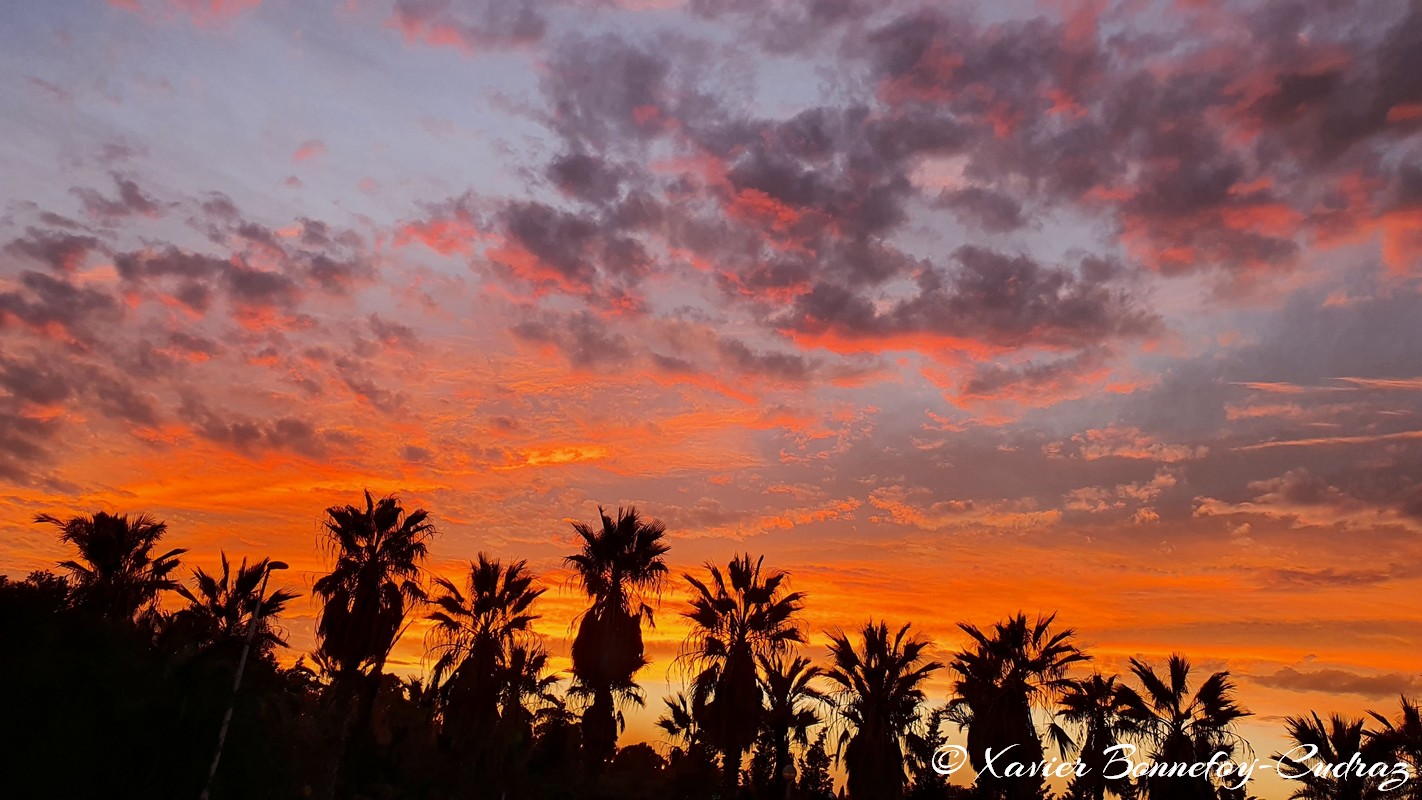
<point x="476" y="634"/>
<point x="368" y="593"/>
<point x="737" y="617"/>
<point x="1402" y="739"/>
<point x="380" y="551"/>
<point x="116" y="574"/>
<point x="1099" y="709"/>
<point x="790" y="702"/>
<point x="1336" y="742"/>
<point x="620" y="568"/>
<point x="1016" y="667"/>
<point x="879" y="699"/>
<point x="1184" y="727"/>
<point x="220" y="607"/>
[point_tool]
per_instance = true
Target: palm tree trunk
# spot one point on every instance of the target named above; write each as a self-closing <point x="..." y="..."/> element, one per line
<point x="600" y="731"/>
<point x="731" y="771"/>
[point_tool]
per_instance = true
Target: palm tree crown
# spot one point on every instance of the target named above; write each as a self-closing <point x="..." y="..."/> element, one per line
<point x="1184" y="727"/>
<point x="221" y="606"/>
<point x="1099" y="709"/>
<point x="879" y="695"/>
<point x="116" y="573"/>
<point x="1402" y="739"/>
<point x="477" y="632"/>
<point x="1016" y="666"/>
<point x="366" y="596"/>
<point x="1334" y="742"/>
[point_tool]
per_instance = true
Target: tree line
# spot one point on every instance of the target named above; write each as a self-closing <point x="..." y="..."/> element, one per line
<point x="117" y="675"/>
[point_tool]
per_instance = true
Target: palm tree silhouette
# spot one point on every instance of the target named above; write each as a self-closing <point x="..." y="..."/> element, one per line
<point x="1017" y="666"/>
<point x="789" y="707"/>
<point x="878" y="700"/>
<point x="619" y="568"/>
<point x="738" y="617"/>
<point x="116" y="574"/>
<point x="1099" y="708"/>
<point x="366" y="597"/>
<point x="475" y="634"/>
<point x="1184" y="728"/>
<point x="681" y="722"/>
<point x="1402" y="739"/>
<point x="369" y="591"/>
<point x="221" y="606"/>
<point x="1334" y="742"/>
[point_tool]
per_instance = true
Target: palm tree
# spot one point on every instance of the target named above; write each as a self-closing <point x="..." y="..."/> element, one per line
<point x="789" y="707"/>
<point x="681" y="722"/>
<point x="878" y="699"/>
<point x="1336" y="742"/>
<point x="366" y="597"/>
<point x="1184" y="727"/>
<point x="476" y="635"/>
<point x="1018" y="666"/>
<point x="1402" y="739"/>
<point x="116" y="574"/>
<point x="527" y="684"/>
<point x="221" y="606"/>
<point x="1100" y="710"/>
<point x="738" y="617"/>
<point x="369" y="591"/>
<point x="619" y="568"/>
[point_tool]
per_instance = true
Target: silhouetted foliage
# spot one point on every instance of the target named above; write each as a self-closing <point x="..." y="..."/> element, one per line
<point x="116" y="676"/>
<point x="739" y="618"/>
<point x="879" y="696"/>
<point x="620" y="568"/>
<point x="1183" y="727"/>
<point x="1016" y="666"/>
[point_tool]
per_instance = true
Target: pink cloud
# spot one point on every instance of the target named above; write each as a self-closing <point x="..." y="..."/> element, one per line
<point x="309" y="149"/>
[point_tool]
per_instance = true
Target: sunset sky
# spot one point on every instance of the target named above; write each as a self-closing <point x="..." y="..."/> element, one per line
<point x="1106" y="308"/>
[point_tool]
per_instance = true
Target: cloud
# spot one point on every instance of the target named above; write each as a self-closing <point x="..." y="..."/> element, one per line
<point x="1338" y="681"/>
<point x="131" y="201"/>
<point x="470" y="25"/>
<point x="309" y="150"/>
<point x="59" y="250"/>
<point x="993" y="300"/>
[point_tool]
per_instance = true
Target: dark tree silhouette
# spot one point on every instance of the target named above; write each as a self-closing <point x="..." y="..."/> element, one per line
<point x="368" y="593"/>
<point x="681" y="722"/>
<point x="620" y="568"/>
<point x="1099" y="710"/>
<point x="790" y="708"/>
<point x="489" y="660"/>
<point x="112" y="689"/>
<point x="879" y="691"/>
<point x="366" y="598"/>
<point x="1336" y="742"/>
<point x="220" y="607"/>
<point x="813" y="780"/>
<point x="1184" y="727"/>
<point x="1016" y="666"/>
<point x="116" y="574"/>
<point x="736" y="617"/>
<point x="1401" y="738"/>
<point x="476" y="629"/>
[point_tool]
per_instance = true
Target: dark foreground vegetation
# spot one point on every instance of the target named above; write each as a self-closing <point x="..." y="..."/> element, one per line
<point x="116" y="675"/>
